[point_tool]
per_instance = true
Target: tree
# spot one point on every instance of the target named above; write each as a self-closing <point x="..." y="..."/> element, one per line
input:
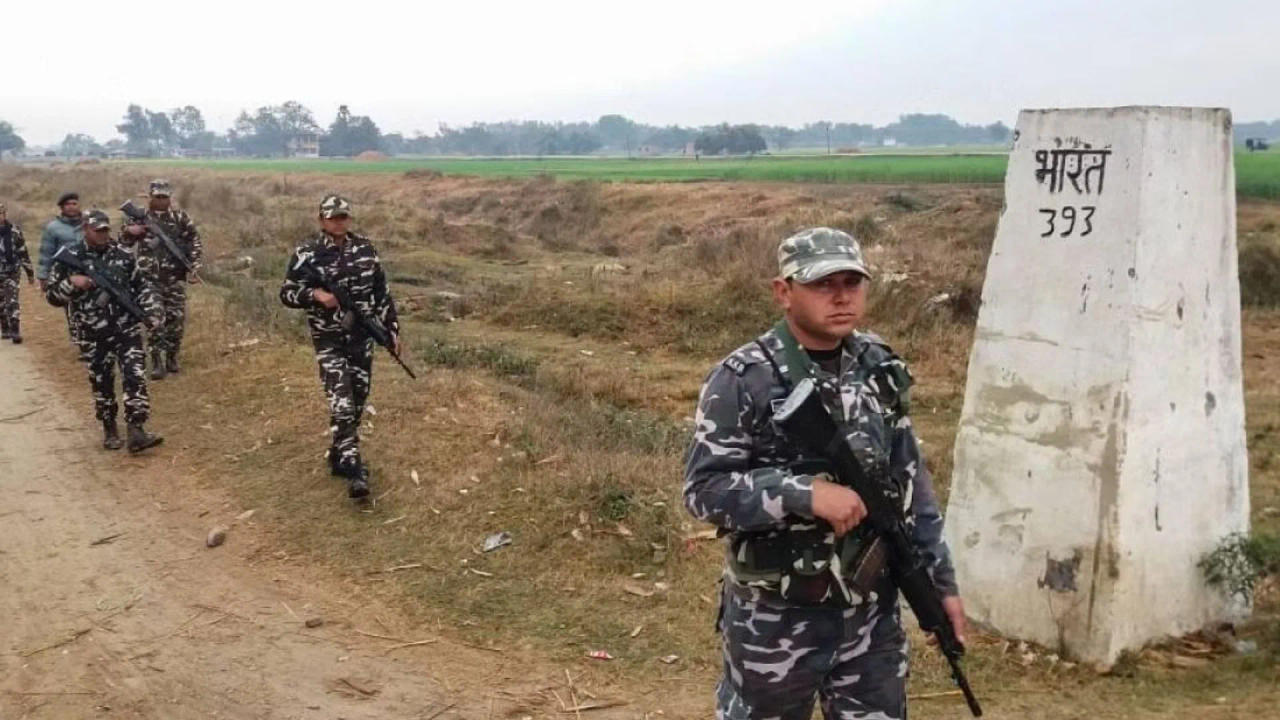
<point x="271" y="129"/>
<point x="163" y="137"/>
<point x="730" y="139"/>
<point x="188" y="125"/>
<point x="781" y="137"/>
<point x="350" y="135"/>
<point x="136" y="129"/>
<point x="998" y="132"/>
<point x="616" y="131"/>
<point x="9" y="138"/>
<point x="79" y="144"/>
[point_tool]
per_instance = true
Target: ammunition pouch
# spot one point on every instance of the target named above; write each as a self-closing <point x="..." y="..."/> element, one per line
<point x="806" y="570"/>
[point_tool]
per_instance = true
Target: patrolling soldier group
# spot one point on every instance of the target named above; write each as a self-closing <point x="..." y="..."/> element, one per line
<point x="809" y="606"/>
<point x="114" y="287"/>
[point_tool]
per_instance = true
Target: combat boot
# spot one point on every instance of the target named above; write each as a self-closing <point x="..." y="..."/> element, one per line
<point x="357" y="476"/>
<point x="171" y="363"/>
<point x="157" y="365"/>
<point x="111" y="435"/>
<point x="14" y="335"/>
<point x="140" y="439"/>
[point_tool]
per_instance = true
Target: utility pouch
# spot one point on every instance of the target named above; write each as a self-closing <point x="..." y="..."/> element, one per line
<point x="806" y="575"/>
<point x="866" y="567"/>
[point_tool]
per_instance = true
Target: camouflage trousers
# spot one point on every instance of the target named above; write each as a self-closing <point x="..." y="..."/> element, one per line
<point x="346" y="372"/>
<point x="172" y="299"/>
<point x="102" y="356"/>
<point x="9" y="312"/>
<point x="778" y="659"/>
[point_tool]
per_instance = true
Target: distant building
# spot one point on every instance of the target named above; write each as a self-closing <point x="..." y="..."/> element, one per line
<point x="305" y="145"/>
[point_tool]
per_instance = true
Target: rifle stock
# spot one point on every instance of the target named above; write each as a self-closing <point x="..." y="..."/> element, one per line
<point x="805" y="419"/>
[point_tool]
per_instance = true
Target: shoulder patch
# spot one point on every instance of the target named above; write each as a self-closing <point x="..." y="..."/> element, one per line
<point x="735" y="364"/>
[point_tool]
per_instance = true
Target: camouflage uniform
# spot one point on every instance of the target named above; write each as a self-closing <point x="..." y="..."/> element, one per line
<point x="790" y="636"/>
<point x="344" y="351"/>
<point x="107" y="335"/>
<point x="167" y="276"/>
<point x="14" y="259"/>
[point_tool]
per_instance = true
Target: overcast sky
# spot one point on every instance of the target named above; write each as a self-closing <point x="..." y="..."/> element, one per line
<point x="74" y="66"/>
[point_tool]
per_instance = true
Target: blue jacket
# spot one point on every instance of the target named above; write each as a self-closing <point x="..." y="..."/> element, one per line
<point x="59" y="232"/>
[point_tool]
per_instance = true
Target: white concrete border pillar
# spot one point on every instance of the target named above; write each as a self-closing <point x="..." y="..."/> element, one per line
<point x="1101" y="449"/>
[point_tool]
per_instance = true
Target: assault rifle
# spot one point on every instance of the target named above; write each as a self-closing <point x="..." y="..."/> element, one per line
<point x="139" y="216"/>
<point x="102" y="278"/>
<point x="348" y="306"/>
<point x="804" y="419"/>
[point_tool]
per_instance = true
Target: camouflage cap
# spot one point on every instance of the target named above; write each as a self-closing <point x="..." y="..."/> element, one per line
<point x="159" y="188"/>
<point x="815" y="253"/>
<point x="335" y="206"/>
<point x="97" y="219"/>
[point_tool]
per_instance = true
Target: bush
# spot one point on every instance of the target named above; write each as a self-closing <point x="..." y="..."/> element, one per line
<point x="1260" y="273"/>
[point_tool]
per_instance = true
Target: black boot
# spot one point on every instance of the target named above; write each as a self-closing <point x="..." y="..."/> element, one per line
<point x="111" y="435"/>
<point x="140" y="439"/>
<point x="14" y="334"/>
<point x="171" y="363"/>
<point x="357" y="476"/>
<point x="157" y="365"/>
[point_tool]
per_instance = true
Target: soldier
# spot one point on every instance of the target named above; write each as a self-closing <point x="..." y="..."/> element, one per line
<point x="107" y="333"/>
<point x="62" y="230"/>
<point x="166" y="273"/>
<point x="344" y="351"/>
<point x="808" y="607"/>
<point x="13" y="258"/>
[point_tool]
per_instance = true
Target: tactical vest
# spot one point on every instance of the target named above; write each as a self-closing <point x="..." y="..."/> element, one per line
<point x="803" y="561"/>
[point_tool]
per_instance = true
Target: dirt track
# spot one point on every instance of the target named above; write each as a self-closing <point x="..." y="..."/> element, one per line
<point x="113" y="606"/>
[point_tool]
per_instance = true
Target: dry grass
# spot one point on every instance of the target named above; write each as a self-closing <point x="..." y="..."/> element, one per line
<point x="558" y="404"/>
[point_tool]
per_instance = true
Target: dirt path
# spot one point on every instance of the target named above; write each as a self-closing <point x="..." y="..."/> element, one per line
<point x="113" y="607"/>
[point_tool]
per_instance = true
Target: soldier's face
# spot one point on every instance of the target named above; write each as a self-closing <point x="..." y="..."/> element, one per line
<point x="159" y="203"/>
<point x="96" y="238"/>
<point x="828" y="308"/>
<point x="71" y="208"/>
<point x="336" y="226"/>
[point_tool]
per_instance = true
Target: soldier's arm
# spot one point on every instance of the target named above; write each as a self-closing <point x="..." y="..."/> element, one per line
<point x="926" y="533"/>
<point x="60" y="291"/>
<point x="48" y="247"/>
<point x="720" y="487"/>
<point x="294" y="292"/>
<point x="24" y="257"/>
<point x="143" y="292"/>
<point x="193" y="241"/>
<point x="384" y="306"/>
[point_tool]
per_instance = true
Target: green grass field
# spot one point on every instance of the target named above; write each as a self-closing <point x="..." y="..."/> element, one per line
<point x="1257" y="174"/>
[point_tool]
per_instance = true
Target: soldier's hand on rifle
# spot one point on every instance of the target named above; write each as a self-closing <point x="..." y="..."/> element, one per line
<point x="135" y="230"/>
<point x="395" y="343"/>
<point x="325" y="298"/>
<point x="954" y="608"/>
<point x="82" y="282"/>
<point x="838" y="505"/>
